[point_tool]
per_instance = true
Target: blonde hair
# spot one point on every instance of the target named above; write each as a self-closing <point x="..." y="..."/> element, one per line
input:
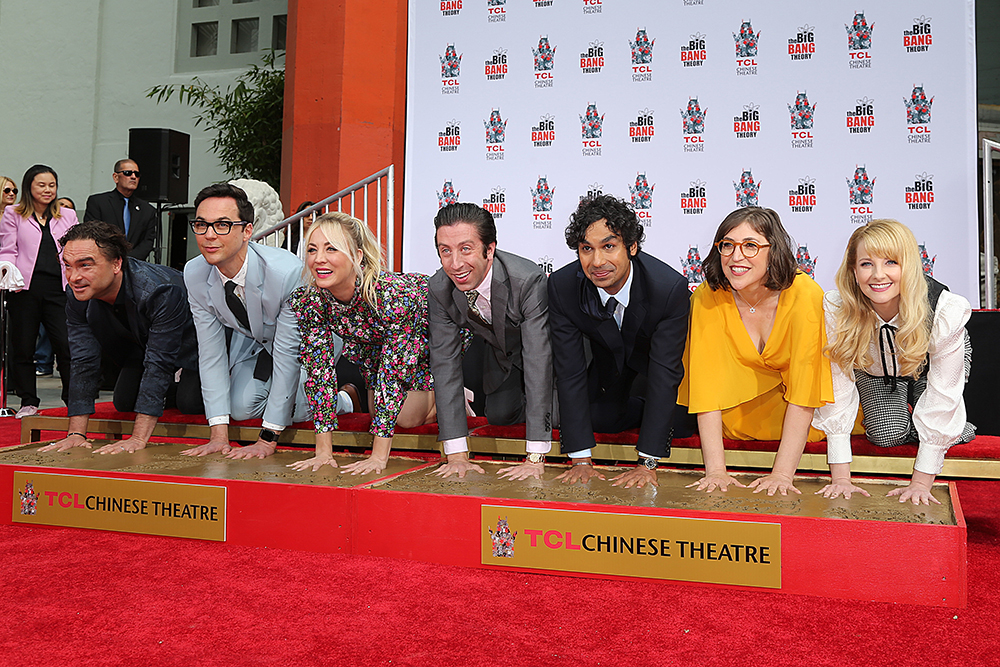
<point x="348" y="235"/>
<point x="856" y="324"/>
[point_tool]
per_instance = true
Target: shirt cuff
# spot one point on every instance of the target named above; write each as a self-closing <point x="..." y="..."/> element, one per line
<point x="838" y="448"/>
<point x="930" y="459"/>
<point x="538" y="446"/>
<point x="455" y="445"/>
<point x="221" y="419"/>
<point x="277" y="428"/>
<point x="648" y="456"/>
<point x="582" y="454"/>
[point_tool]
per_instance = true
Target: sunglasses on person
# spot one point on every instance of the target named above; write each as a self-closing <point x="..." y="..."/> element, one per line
<point x="8" y="191"/>
<point x="220" y="227"/>
<point x="129" y="172"/>
<point x="748" y="248"/>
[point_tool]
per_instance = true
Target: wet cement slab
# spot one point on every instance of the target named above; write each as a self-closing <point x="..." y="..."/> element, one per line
<point x="673" y="494"/>
<point x="406" y="474"/>
<point x="162" y="459"/>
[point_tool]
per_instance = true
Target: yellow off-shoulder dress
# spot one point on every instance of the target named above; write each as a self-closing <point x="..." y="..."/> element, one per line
<point x="724" y="371"/>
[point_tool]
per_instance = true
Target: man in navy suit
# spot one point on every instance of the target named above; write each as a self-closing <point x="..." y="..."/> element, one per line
<point x="121" y="208"/>
<point x="137" y="312"/>
<point x="631" y="311"/>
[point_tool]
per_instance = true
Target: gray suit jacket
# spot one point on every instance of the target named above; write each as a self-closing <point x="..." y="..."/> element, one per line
<point x="518" y="337"/>
<point x="272" y="274"/>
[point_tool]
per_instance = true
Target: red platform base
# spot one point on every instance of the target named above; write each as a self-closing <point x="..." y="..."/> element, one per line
<point x="890" y="561"/>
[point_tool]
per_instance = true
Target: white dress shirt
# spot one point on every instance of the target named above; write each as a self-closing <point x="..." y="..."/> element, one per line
<point x="939" y="415"/>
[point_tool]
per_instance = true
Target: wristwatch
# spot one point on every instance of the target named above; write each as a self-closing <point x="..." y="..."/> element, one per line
<point x="648" y="462"/>
<point x="267" y="435"/>
<point x="535" y="458"/>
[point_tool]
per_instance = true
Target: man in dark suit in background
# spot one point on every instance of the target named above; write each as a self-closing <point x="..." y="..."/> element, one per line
<point x="139" y="313"/>
<point x="133" y="216"/>
<point x="501" y="298"/>
<point x="632" y="309"/>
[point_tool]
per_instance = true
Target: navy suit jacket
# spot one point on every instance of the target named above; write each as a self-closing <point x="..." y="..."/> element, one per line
<point x="109" y="207"/>
<point x="160" y="336"/>
<point x="650" y="343"/>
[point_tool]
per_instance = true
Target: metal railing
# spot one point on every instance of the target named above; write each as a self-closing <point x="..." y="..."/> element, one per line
<point x="378" y="205"/>
<point x="990" y="259"/>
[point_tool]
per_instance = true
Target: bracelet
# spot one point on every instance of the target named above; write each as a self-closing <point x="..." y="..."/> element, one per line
<point x="82" y="435"/>
<point x="583" y="463"/>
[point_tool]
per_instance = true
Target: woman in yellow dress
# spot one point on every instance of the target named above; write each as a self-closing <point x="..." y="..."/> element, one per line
<point x="754" y="364"/>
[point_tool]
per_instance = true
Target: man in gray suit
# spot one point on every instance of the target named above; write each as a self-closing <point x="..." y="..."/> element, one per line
<point x="502" y="298"/>
<point x="248" y="342"/>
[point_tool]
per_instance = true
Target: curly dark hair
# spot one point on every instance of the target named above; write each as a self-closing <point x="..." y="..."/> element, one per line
<point x="619" y="216"/>
<point x="229" y="191"/>
<point x="477" y="216"/>
<point x="781" y="264"/>
<point x="108" y="238"/>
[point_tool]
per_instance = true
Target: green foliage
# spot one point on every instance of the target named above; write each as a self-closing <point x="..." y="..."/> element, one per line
<point x="246" y="119"/>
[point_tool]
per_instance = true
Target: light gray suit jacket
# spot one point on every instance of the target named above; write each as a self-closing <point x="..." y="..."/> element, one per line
<point x="518" y="337"/>
<point x="272" y="274"/>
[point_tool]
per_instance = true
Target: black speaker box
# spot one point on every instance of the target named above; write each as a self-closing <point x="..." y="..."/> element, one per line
<point x="163" y="157"/>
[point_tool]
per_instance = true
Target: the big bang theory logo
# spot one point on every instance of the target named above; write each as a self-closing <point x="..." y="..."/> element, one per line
<point x="496" y="203"/>
<point x="694" y="53"/>
<point x="918" y="38"/>
<point x="694" y="200"/>
<point x="861" y="119"/>
<point x="592" y="60"/>
<point x="450" y="138"/>
<point x="544" y="133"/>
<point x="641" y="129"/>
<point x="802" y="198"/>
<point x="920" y="195"/>
<point x="451" y="7"/>
<point x="747" y="124"/>
<point x="803" y="45"/>
<point x="495" y="67"/>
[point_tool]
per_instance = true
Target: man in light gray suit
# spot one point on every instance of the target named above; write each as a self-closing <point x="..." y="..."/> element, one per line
<point x="502" y="298"/>
<point x="248" y="342"/>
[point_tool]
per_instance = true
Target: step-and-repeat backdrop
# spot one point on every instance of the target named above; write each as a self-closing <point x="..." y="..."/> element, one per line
<point x="689" y="109"/>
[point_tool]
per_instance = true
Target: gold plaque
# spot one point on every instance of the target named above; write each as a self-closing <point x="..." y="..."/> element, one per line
<point x="124" y="505"/>
<point x="743" y="553"/>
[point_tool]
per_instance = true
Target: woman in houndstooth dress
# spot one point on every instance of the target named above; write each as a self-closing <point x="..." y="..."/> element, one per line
<point x="899" y="348"/>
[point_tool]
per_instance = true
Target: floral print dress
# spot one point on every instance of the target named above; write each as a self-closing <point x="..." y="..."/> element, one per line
<point x="388" y="343"/>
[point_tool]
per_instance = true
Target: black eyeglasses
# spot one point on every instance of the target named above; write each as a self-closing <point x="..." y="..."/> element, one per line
<point x="129" y="172"/>
<point x="220" y="227"/>
<point x="748" y="248"/>
<point x="7" y="191"/>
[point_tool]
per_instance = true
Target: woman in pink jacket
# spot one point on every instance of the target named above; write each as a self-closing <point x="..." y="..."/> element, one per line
<point x="29" y="237"/>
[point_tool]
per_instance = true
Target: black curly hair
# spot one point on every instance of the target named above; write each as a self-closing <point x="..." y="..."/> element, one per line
<point x="617" y="214"/>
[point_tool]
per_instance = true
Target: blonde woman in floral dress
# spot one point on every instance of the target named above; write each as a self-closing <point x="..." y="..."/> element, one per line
<point x="382" y="318"/>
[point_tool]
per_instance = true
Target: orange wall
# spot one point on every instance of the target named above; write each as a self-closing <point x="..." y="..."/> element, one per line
<point x="345" y="98"/>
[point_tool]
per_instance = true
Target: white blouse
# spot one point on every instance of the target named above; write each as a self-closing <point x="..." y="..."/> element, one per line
<point x="939" y="415"/>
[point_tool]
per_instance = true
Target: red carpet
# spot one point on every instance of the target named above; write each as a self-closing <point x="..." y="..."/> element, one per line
<point x="77" y="597"/>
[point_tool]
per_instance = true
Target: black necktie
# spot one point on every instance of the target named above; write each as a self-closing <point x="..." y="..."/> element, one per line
<point x="610" y="307"/>
<point x="236" y="305"/>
